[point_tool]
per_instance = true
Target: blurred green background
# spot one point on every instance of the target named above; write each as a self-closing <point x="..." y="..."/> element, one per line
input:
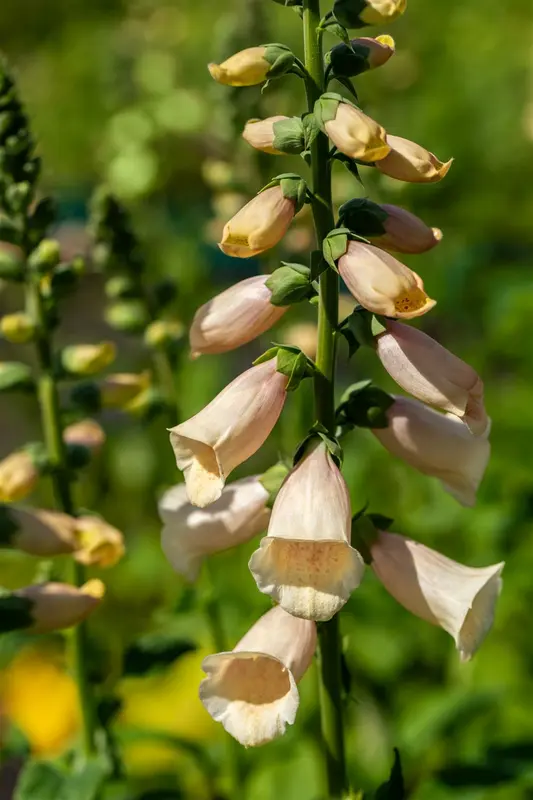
<point x="119" y="93"/>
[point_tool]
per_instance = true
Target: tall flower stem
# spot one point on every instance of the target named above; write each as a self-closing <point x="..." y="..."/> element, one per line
<point x="329" y="648"/>
<point x="48" y="397"/>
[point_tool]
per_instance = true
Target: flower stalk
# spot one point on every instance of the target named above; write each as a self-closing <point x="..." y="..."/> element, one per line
<point x="329" y="644"/>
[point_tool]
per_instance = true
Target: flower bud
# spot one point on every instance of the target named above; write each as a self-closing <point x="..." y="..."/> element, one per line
<point x="405" y="233"/>
<point x="119" y="389"/>
<point x="237" y="316"/>
<point x="306" y="563"/>
<point x="410" y="162"/>
<point x="429" y="372"/>
<point x="18" y="476"/>
<point x="439" y="445"/>
<point x="252" y="690"/>
<point x="350" y="130"/>
<point x="17" y="328"/>
<point x="275" y="135"/>
<point x="38" y="532"/>
<point x="259" y="225"/>
<point x="46" y="256"/>
<point x="358" y="13"/>
<point x="228" y="431"/>
<point x="87" y="433"/>
<point x="130" y="316"/>
<point x="56" y="606"/>
<point x="88" y="359"/>
<point x="360" y="55"/>
<point x="382" y="284"/>
<point x="189" y="533"/>
<point x="98" y="542"/>
<point x="163" y="332"/>
<point x="459" y="599"/>
<point x="253" y="65"/>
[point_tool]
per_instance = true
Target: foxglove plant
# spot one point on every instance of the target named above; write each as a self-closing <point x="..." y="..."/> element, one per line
<point x="313" y="555"/>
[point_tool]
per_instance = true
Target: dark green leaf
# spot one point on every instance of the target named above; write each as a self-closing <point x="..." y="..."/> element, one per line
<point x="394" y="789"/>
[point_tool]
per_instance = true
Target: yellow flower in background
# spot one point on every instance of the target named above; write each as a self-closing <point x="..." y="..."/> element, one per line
<point x="39" y="697"/>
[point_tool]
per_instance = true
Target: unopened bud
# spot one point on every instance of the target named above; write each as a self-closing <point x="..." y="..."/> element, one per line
<point x="351" y="131"/>
<point x="88" y="359"/>
<point x="46" y="256"/>
<point x="162" y="333"/>
<point x="17" y="328"/>
<point x="253" y="65"/>
<point x="360" y="55"/>
<point x="86" y="433"/>
<point x="18" y="476"/>
<point x="55" y="606"/>
<point x="119" y="389"/>
<point x="38" y="532"/>
<point x="130" y="316"/>
<point x="98" y="542"/>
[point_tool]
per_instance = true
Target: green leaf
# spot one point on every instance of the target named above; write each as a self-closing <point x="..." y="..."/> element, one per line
<point x="40" y="780"/>
<point x="394" y="789"/>
<point x="154" y="651"/>
<point x="340" y="32"/>
<point x="334" y="245"/>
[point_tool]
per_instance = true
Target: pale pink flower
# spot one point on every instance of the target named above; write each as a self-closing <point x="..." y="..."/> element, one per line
<point x="405" y="233"/>
<point x="60" y="605"/>
<point x="252" y="690"/>
<point x="408" y="161"/>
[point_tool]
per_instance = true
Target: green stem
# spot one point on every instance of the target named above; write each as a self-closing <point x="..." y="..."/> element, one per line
<point x="329" y="647"/>
<point x="53" y="435"/>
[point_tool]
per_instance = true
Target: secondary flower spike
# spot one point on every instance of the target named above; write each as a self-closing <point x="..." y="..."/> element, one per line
<point x="460" y="599"/>
<point x="259" y="225"/>
<point x="190" y="533"/>
<point x="429" y="372"/>
<point x="234" y="317"/>
<point x="228" y="431"/>
<point x="253" y="65"/>
<point x="252" y="690"/>
<point x="383" y="284"/>
<point x="439" y="445"/>
<point x="306" y="563"/>
<point x="351" y="131"/>
<point x="410" y="162"/>
<point x="59" y="605"/>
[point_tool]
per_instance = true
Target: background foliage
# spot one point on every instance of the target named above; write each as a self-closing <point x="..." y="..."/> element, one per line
<point x="118" y="91"/>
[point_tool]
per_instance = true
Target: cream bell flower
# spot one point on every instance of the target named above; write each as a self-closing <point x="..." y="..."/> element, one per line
<point x="383" y="284"/>
<point x="259" y="225"/>
<point x="356" y="135"/>
<point x="252" y="690"/>
<point x="98" y="542"/>
<point x="405" y="233"/>
<point x="306" y="563"/>
<point x="459" y="599"/>
<point x="253" y="65"/>
<point x="59" y="605"/>
<point x="38" y="532"/>
<point x="259" y="133"/>
<point x="228" y="431"/>
<point x="408" y="161"/>
<point x="236" y="316"/>
<point x="439" y="445"/>
<point x="189" y="533"/>
<point x="429" y="372"/>
<point x="18" y="476"/>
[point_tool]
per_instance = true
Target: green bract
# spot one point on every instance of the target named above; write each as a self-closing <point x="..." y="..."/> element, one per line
<point x="293" y="187"/>
<point x="326" y="108"/>
<point x="349" y="60"/>
<point x="280" y="57"/>
<point x="291" y="362"/>
<point x="363" y="217"/>
<point x="289" y="135"/>
<point x="289" y="284"/>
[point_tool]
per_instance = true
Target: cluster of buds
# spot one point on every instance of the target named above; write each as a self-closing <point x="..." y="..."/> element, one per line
<point x="313" y="555"/>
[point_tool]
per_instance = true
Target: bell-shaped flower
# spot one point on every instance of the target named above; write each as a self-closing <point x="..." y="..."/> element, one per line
<point x="237" y="316"/>
<point x="87" y="433"/>
<point x="460" y="599"/>
<point x="260" y="133"/>
<point x="410" y="162"/>
<point x="429" y="372"/>
<point x="404" y="232"/>
<point x="252" y="689"/>
<point x="439" y="445"/>
<point x="259" y="225"/>
<point x="383" y="284"/>
<point x="55" y="606"/>
<point x="229" y="430"/>
<point x="306" y="562"/>
<point x="355" y="134"/>
<point x="38" y="532"/>
<point x="190" y="533"/>
<point x="98" y="542"/>
<point x="18" y="476"/>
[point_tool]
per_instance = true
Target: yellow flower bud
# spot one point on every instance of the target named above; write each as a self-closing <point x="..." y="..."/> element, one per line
<point x="259" y="225"/>
<point x="87" y="359"/>
<point x="119" y="389"/>
<point x="87" y="433"/>
<point x="18" y="476"/>
<point x="98" y="542"/>
<point x="17" y="328"/>
<point x="253" y="65"/>
<point x="163" y="332"/>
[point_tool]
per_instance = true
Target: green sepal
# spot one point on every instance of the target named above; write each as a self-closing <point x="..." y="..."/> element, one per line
<point x="280" y="57"/>
<point x="293" y="187"/>
<point x="348" y="59"/>
<point x="363" y="217"/>
<point x="15" y="612"/>
<point x="319" y="431"/>
<point x="290" y="362"/>
<point x="311" y="129"/>
<point x="364" y="534"/>
<point x="325" y="108"/>
<point x="8" y="526"/>
<point x="272" y="480"/>
<point x="289" y="136"/>
<point x="290" y="284"/>
<point x="357" y="330"/>
<point x="347" y="13"/>
<point x="363" y="406"/>
<point x="339" y="31"/>
<point x="335" y="244"/>
<point x="15" y="376"/>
